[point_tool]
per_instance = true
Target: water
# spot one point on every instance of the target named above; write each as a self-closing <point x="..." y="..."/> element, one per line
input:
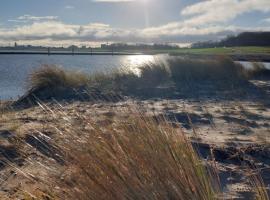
<point x="14" y="69"/>
<point x="250" y="65"/>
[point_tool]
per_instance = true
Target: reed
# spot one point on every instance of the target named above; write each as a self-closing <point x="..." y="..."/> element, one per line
<point x="135" y="158"/>
<point x="52" y="76"/>
<point x="173" y="75"/>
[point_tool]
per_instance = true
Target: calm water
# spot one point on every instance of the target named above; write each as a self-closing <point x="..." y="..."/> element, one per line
<point x="14" y="69"/>
<point x="249" y="65"/>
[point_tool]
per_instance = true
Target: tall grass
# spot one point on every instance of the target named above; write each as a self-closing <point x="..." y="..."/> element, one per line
<point x="128" y="156"/>
<point x="175" y="74"/>
<point x="136" y="158"/>
<point x="154" y="74"/>
<point x="127" y="82"/>
<point x="51" y="76"/>
<point x="221" y="69"/>
<point x="258" y="71"/>
<point x="257" y="184"/>
<point x="51" y="81"/>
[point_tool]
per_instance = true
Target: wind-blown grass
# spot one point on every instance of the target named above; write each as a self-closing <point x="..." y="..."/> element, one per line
<point x="51" y="76"/>
<point x="129" y="155"/>
<point x="51" y="81"/>
<point x="155" y="80"/>
<point x="221" y="70"/>
<point x="136" y="158"/>
<point x="258" y="71"/>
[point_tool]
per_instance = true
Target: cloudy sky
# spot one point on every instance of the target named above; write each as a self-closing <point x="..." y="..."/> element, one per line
<point x="91" y="22"/>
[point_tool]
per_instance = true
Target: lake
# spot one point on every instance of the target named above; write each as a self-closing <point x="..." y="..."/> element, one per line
<point x="14" y="69"/>
<point x="249" y="65"/>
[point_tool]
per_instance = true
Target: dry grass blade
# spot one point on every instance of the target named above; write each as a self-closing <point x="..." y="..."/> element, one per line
<point x="161" y="79"/>
<point x="52" y="77"/>
<point x="257" y="185"/>
<point x="137" y="159"/>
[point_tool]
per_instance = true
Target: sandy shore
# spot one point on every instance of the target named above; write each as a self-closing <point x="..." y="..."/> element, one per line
<point x="233" y="129"/>
<point x="26" y="164"/>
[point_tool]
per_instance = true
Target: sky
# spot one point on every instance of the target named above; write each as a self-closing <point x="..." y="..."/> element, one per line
<point x="92" y="22"/>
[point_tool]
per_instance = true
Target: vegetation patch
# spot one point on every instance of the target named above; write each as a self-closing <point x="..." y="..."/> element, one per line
<point x="174" y="77"/>
<point x="137" y="158"/>
<point x="258" y="71"/>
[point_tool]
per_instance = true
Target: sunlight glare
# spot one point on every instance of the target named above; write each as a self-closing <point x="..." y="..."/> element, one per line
<point x="135" y="62"/>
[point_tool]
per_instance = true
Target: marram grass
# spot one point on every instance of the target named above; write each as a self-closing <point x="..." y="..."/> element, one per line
<point x="137" y="158"/>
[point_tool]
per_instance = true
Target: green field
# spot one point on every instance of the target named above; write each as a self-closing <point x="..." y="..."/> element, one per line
<point x="249" y="50"/>
<point x="254" y="50"/>
<point x="217" y="51"/>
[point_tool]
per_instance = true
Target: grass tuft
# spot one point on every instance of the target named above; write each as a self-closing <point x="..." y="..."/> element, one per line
<point x="258" y="71"/>
<point x="137" y="158"/>
<point x="51" y="76"/>
<point x="182" y="76"/>
<point x="222" y="70"/>
<point x="128" y="155"/>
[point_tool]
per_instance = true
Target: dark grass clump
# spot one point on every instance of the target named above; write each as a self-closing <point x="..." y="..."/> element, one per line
<point x="154" y="75"/>
<point x="146" y="84"/>
<point x="54" y="77"/>
<point x="184" y="76"/>
<point x="164" y="79"/>
<point x="51" y="81"/>
<point x="221" y="70"/>
<point x="150" y="76"/>
<point x="258" y="71"/>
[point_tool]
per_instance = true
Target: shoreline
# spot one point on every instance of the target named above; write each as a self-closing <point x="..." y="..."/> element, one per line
<point x="233" y="130"/>
<point x="64" y="53"/>
<point x="234" y="57"/>
<point x="221" y="118"/>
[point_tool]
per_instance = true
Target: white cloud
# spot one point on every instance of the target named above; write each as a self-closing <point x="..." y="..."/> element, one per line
<point x="35" y="18"/>
<point x="213" y="11"/>
<point x="17" y="21"/>
<point x="56" y="32"/>
<point x="207" y="20"/>
<point x="69" y="7"/>
<point x="31" y="18"/>
<point x="50" y="42"/>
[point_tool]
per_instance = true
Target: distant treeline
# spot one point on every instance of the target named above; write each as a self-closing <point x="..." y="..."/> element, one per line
<point x="107" y="47"/>
<point x="243" y="39"/>
<point x="124" y="46"/>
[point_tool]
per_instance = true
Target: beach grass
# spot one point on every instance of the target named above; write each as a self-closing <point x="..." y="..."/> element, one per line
<point x="51" y="76"/>
<point x="130" y="156"/>
<point x="166" y="77"/>
<point x="136" y="158"/>
<point x="258" y="71"/>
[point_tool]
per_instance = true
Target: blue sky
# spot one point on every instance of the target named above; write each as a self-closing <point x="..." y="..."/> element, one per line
<point x="91" y="22"/>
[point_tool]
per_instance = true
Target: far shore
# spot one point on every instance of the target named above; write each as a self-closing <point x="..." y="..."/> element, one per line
<point x="238" y="56"/>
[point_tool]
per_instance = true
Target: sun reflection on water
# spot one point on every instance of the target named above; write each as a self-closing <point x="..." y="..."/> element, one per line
<point x="133" y="63"/>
